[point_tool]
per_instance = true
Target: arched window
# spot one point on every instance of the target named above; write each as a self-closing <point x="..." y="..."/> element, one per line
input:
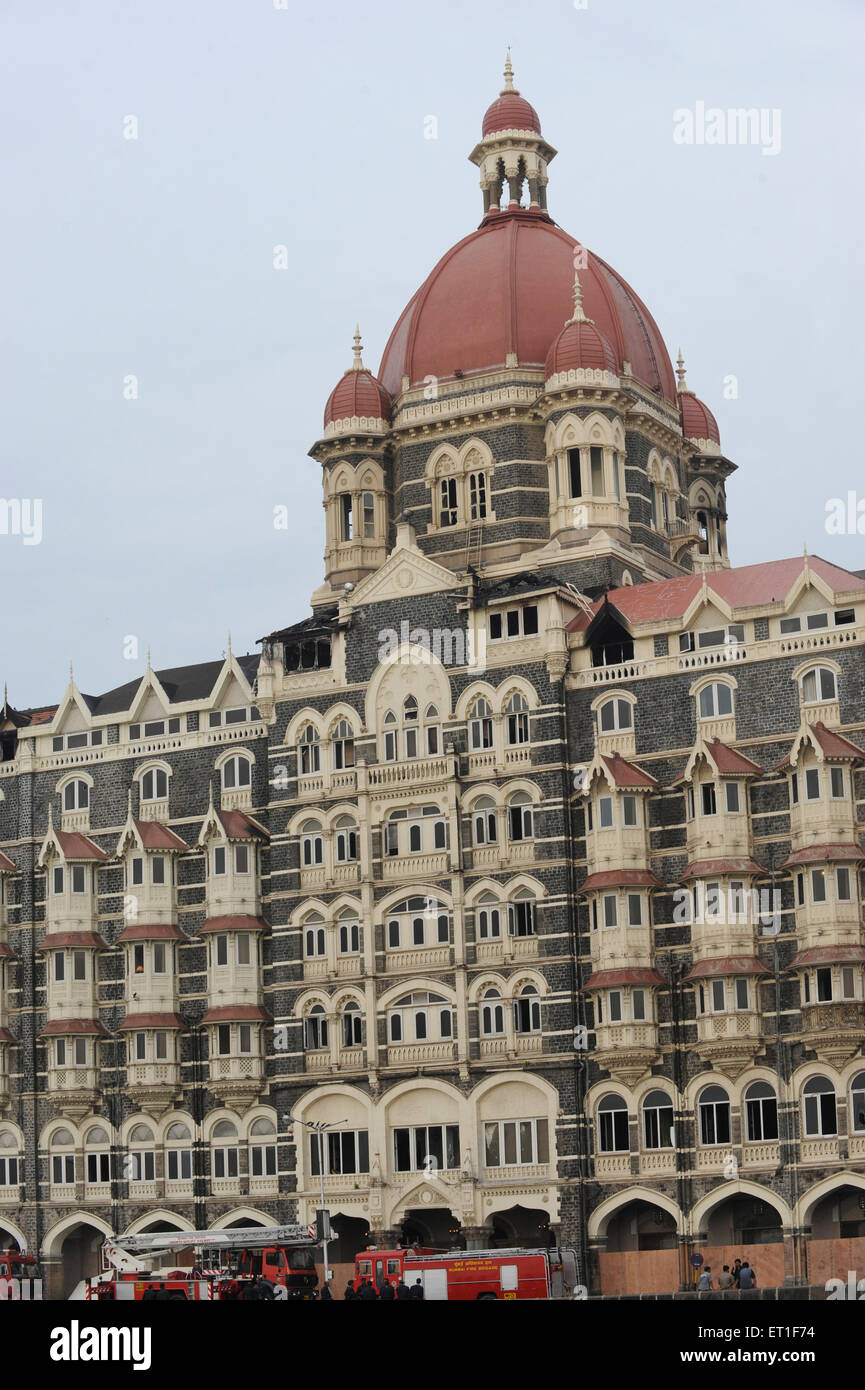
<point x="658" y="1121"/>
<point x="178" y="1153"/>
<point x="391" y="738"/>
<point x="477" y="496"/>
<point x="262" y="1153"/>
<point x="314" y="938"/>
<point x="415" y="830"/>
<point x="857" y="1104"/>
<point x="315" y="1029"/>
<point x="97" y="1155"/>
<point x="432" y="737"/>
<point x="225" y="1152"/>
<point x="527" y="1011"/>
<point x="154" y="784"/>
<point x="349" y="932"/>
<point x="11" y="1169"/>
<point x="309" y="751"/>
<point x="520" y="817"/>
<point x="818" y="1103"/>
<point x="489" y="917"/>
<point x="62" y="1157"/>
<point x="517" y="722"/>
<point x="236" y="772"/>
<point x="368" y="502"/>
<point x="818" y="685"/>
<point x="761" y="1113"/>
<point x="311" y="844"/>
<point x="484" y="821"/>
<point x="613" y="1126"/>
<point x="76" y="795"/>
<point x="352" y="1025"/>
<point x="716" y="700"/>
<point x="521" y="913"/>
<point x="481" y="725"/>
<point x="418" y="922"/>
<point x="410" y="723"/>
<point x="615" y="715"/>
<point x="346" y="840"/>
<point x="343" y="746"/>
<point x="714" y="1111"/>
<point x="492" y="1014"/>
<point x="141" y="1159"/>
<point x="420" y="1017"/>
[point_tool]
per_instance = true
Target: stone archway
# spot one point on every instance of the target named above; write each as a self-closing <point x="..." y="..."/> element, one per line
<point x="71" y="1253"/>
<point x="433" y="1227"/>
<point x="526" y="1227"/>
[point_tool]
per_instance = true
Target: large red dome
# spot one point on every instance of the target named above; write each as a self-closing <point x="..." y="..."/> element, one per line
<point x="510" y="111"/>
<point x="507" y="289"/>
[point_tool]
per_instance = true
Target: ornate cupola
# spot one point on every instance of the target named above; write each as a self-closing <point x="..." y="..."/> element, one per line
<point x="512" y="153"/>
<point x="580" y="347"/>
<point x="708" y="470"/>
<point x="353" y="454"/>
<point x="698" y="423"/>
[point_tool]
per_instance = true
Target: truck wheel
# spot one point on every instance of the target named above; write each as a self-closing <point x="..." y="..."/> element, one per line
<point x="483" y="1296"/>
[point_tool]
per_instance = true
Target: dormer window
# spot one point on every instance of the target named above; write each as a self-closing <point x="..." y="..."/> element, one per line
<point x="91" y="739"/>
<point x="240" y="714"/>
<point x="154" y="728"/>
<point x="136" y="871"/>
<point x="812" y="784"/>
<point x="220" y="860"/>
<point x="708" y="799"/>
<point x="712" y="637"/>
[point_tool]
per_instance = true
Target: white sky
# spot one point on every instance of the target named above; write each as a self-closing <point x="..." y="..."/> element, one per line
<point x="304" y="126"/>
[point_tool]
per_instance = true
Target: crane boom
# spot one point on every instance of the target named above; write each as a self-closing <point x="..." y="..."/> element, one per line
<point x="242" y="1238"/>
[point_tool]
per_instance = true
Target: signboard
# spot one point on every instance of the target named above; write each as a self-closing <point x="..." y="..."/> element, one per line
<point x="696" y="1260"/>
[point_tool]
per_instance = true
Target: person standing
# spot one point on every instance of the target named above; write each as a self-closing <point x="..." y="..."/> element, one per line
<point x="325" y="1294"/>
<point x="704" y="1283"/>
<point x="403" y="1292"/>
<point x="747" y="1277"/>
<point x="416" y="1291"/>
<point x="349" y="1294"/>
<point x="737" y="1265"/>
<point x="725" y="1278"/>
<point x="387" y="1294"/>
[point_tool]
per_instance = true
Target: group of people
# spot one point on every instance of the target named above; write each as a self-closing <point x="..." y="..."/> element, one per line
<point x="741" y="1276"/>
<point x="388" y="1293"/>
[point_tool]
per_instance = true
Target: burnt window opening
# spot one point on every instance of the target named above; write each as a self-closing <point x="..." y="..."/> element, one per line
<point x="313" y="655"/>
<point x="611" y="644"/>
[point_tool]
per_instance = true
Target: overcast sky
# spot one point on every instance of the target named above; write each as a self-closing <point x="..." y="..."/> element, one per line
<point x="261" y="125"/>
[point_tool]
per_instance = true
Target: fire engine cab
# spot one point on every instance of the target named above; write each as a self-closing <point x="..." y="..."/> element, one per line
<point x="282" y="1254"/>
<point x="472" y="1274"/>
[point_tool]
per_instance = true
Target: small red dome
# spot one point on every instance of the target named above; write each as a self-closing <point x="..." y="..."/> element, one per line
<point x="698" y="422"/>
<point x="357" y="395"/>
<point x="510" y="111"/>
<point x="579" y="345"/>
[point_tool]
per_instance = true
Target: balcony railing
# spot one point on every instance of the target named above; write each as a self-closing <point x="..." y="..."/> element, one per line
<point x="415" y="1054"/>
<point x="613" y="1165"/>
<point x="416" y="865"/>
<point x="766" y="1154"/>
<point x="410" y="772"/>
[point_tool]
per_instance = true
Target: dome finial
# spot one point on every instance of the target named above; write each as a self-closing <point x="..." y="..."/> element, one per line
<point x="579" y="315"/>
<point x="509" y="76"/>
<point x="357" y="361"/>
<point x="680" y="372"/>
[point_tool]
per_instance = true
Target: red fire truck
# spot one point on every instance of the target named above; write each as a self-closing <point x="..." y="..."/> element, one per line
<point x="282" y="1254"/>
<point x="472" y="1274"/>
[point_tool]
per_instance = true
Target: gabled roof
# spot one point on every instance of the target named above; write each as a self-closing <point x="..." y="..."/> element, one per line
<point x="829" y="955"/>
<point x="237" y="1013"/>
<point x="627" y="774"/>
<point x="69" y="844"/>
<point x="826" y="743"/>
<point x="727" y="761"/>
<point x="744" y="587"/>
<point x="153" y="1020"/>
<point x="620" y="878"/>
<point x="66" y="1026"/>
<point x="155" y="835"/>
<point x="238" y="921"/>
<point x="151" y="931"/>
<point x="239" y="826"/>
<point x="55" y="941"/>
<point x="6" y="865"/>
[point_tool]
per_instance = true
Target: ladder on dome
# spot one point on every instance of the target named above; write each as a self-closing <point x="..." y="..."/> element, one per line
<point x="474" y="544"/>
<point x="580" y="600"/>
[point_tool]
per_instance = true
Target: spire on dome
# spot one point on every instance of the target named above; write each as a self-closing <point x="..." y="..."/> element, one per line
<point x="509" y="77"/>
<point x="579" y="314"/>
<point x="680" y="372"/>
<point x="357" y="359"/>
